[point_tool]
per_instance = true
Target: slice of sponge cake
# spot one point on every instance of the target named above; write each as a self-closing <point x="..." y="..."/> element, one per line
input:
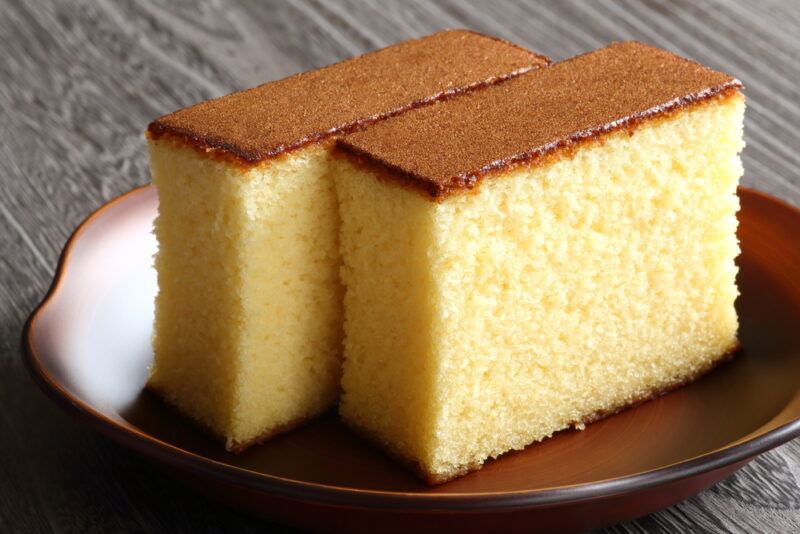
<point x="538" y="254"/>
<point x="248" y="315"/>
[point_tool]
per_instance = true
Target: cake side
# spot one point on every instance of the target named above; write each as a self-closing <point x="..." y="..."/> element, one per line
<point x="198" y="309"/>
<point x="290" y="352"/>
<point x="248" y="314"/>
<point x="561" y="291"/>
<point x="385" y="238"/>
<point x="259" y="123"/>
<point x="450" y="147"/>
<point x="583" y="286"/>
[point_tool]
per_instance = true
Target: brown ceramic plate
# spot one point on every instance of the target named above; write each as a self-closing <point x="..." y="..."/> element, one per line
<point x="88" y="345"/>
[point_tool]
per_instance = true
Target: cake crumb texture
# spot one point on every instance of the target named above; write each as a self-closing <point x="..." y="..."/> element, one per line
<point x="249" y="313"/>
<point x="485" y="322"/>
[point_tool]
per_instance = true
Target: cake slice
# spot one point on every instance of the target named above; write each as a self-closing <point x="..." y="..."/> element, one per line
<point x="538" y="254"/>
<point x="249" y="314"/>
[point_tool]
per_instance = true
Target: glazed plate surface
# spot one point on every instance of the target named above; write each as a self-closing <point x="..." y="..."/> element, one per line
<point x="88" y="346"/>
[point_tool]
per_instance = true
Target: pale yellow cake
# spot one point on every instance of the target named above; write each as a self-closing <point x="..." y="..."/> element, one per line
<point x="248" y="314"/>
<point x="538" y="254"/>
<point x="248" y="327"/>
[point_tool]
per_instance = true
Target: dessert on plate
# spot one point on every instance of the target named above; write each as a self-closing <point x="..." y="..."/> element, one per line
<point x="248" y="326"/>
<point x="503" y="250"/>
<point x="537" y="254"/>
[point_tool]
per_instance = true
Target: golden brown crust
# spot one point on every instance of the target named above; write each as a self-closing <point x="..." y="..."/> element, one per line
<point x="435" y="479"/>
<point x="450" y="146"/>
<point x="260" y="123"/>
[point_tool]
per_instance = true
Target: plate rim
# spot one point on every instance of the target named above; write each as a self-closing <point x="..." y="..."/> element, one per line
<point x="171" y="455"/>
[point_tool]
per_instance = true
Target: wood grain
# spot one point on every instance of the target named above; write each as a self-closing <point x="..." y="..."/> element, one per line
<point x="79" y="81"/>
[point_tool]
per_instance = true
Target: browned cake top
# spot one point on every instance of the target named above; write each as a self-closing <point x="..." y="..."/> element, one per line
<point x="450" y="145"/>
<point x="265" y="121"/>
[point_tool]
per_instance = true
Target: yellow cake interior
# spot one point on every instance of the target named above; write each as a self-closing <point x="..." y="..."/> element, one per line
<point x="556" y="292"/>
<point x="249" y="312"/>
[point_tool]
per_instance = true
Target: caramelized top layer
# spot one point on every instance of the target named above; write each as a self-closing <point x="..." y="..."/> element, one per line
<point x="265" y="121"/>
<point x="450" y="145"/>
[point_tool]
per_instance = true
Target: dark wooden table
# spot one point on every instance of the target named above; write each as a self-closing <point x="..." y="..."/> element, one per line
<point x="80" y="80"/>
